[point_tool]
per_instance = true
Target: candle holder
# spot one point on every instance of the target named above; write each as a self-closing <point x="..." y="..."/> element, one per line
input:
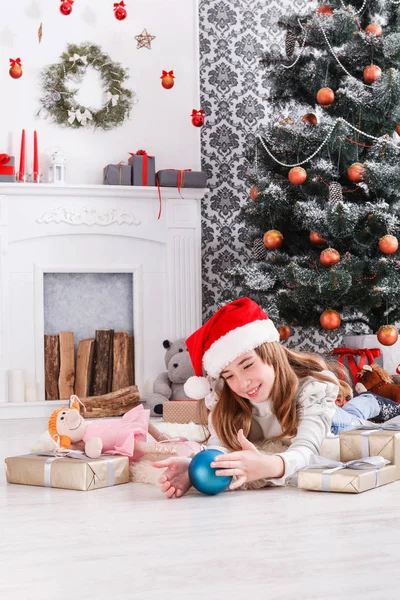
<point x="32" y="179"/>
<point x="21" y="178"/>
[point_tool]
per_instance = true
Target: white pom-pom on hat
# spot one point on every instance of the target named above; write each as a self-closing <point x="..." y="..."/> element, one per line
<point x="197" y="387"/>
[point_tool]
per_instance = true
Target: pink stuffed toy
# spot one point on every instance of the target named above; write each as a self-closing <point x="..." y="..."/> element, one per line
<point x="125" y="436"/>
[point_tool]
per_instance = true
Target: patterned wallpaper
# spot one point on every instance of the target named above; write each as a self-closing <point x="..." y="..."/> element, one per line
<point x="233" y="34"/>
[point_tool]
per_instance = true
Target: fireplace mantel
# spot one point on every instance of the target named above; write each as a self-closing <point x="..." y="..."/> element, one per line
<point x="95" y="228"/>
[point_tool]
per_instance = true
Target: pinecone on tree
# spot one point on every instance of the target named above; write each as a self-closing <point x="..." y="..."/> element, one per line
<point x="290" y="43"/>
<point x="259" y="249"/>
<point x="335" y="192"/>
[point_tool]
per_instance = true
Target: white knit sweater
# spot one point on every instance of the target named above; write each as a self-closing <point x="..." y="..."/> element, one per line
<point x="317" y="399"/>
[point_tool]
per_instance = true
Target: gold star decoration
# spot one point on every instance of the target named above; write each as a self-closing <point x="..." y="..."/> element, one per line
<point x="144" y="39"/>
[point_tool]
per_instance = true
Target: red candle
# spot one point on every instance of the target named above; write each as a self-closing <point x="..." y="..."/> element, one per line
<point x="21" y="172"/>
<point x="35" y="158"/>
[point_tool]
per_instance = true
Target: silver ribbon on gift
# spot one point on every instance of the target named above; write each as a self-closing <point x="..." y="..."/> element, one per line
<point x="369" y="428"/>
<point x="371" y="463"/>
<point x="77" y="455"/>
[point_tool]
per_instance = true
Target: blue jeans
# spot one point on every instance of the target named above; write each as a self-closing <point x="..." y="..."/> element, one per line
<point x="351" y="415"/>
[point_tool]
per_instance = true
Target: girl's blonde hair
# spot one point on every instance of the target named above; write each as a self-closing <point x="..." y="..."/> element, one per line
<point x="232" y="412"/>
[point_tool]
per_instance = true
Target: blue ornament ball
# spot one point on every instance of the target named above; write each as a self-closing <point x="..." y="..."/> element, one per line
<point x="203" y="477"/>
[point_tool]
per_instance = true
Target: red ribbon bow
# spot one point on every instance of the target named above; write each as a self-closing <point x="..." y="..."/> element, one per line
<point x="138" y="153"/>
<point x="350" y="353"/>
<point x="117" y="4"/>
<point x="167" y="74"/>
<point x="197" y="112"/>
<point x="4" y="159"/>
<point x="15" y="61"/>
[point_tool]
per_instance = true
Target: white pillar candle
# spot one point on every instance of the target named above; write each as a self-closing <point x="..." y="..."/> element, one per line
<point x="31" y="392"/>
<point x="16" y="385"/>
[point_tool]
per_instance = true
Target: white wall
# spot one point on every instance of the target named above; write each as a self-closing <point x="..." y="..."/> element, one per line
<point x="160" y="122"/>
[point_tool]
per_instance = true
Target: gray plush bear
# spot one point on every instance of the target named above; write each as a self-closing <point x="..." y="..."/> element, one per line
<point x="169" y="385"/>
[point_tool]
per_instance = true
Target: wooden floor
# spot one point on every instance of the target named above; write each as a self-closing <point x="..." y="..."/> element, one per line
<point x="129" y="542"/>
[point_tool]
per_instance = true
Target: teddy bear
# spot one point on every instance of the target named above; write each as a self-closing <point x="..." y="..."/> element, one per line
<point x="169" y="384"/>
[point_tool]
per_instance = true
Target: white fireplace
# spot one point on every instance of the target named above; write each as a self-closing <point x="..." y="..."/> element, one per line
<point x="96" y="229"/>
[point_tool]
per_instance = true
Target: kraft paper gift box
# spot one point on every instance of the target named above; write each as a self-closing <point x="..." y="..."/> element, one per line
<point x="7" y="168"/>
<point x="352" y="477"/>
<point x="181" y="411"/>
<point x="120" y="174"/>
<point x="372" y="440"/>
<point x="73" y="471"/>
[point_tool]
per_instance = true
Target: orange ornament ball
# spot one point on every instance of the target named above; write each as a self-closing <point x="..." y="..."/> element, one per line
<point x="387" y="335"/>
<point x="273" y="239"/>
<point x="329" y="257"/>
<point x="372" y="73"/>
<point x="316" y="239"/>
<point x="330" y="319"/>
<point x="356" y="172"/>
<point x="374" y="29"/>
<point x="284" y="333"/>
<point x="398" y="129"/>
<point x="254" y="193"/>
<point x="297" y="175"/>
<point x="326" y="10"/>
<point x="388" y="244"/>
<point x="310" y="119"/>
<point x="325" y="97"/>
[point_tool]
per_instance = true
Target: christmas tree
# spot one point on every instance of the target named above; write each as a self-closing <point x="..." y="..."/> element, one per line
<point x="324" y="210"/>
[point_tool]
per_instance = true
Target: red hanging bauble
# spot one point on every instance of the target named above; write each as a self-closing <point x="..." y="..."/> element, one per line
<point x="372" y="73"/>
<point x="387" y="335"/>
<point x="167" y="79"/>
<point x="316" y="239"/>
<point x="297" y="175"/>
<point x="254" y="193"/>
<point x="325" y="97"/>
<point x="197" y="117"/>
<point x="273" y="239"/>
<point x="356" y="172"/>
<point x="15" y="69"/>
<point x="330" y="319"/>
<point x="66" y="7"/>
<point x="388" y="244"/>
<point x="329" y="257"/>
<point x="284" y="333"/>
<point x="374" y="29"/>
<point x="119" y="11"/>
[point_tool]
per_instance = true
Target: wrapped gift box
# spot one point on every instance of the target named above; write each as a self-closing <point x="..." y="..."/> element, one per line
<point x="120" y="174"/>
<point x="181" y="411"/>
<point x="352" y="477"/>
<point x="180" y="179"/>
<point x="74" y="471"/>
<point x="380" y="440"/>
<point x="7" y="168"/>
<point x="143" y="168"/>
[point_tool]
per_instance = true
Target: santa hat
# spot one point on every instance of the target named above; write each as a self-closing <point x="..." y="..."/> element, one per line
<point x="233" y="330"/>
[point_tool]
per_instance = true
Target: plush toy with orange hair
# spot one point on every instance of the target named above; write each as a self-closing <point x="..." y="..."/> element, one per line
<point x="125" y="436"/>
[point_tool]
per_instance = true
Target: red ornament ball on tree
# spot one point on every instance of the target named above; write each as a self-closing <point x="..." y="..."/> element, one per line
<point x="310" y="119"/>
<point x="387" y="335"/>
<point x="398" y="129"/>
<point x="66" y="7"/>
<point x="297" y="175"/>
<point x="374" y="29"/>
<point x="273" y="239"/>
<point x="325" y="97"/>
<point x="167" y="79"/>
<point x="330" y="319"/>
<point x="119" y="11"/>
<point x="284" y="333"/>
<point x="15" y="69"/>
<point x="372" y="73"/>
<point x="254" y="193"/>
<point x="388" y="244"/>
<point x="356" y="172"/>
<point x="326" y="10"/>
<point x="316" y="239"/>
<point x="329" y="257"/>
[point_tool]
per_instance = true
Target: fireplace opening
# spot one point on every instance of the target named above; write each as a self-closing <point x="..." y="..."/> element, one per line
<point x="88" y="333"/>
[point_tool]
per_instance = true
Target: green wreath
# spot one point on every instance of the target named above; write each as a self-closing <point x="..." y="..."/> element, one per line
<point x="59" y="102"/>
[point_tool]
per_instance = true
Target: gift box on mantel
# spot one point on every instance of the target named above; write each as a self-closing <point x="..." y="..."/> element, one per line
<point x="7" y="168"/>
<point x="181" y="179"/>
<point x="372" y="440"/>
<point x="352" y="477"/>
<point x="72" y="471"/>
<point x="120" y="174"/>
<point x="181" y="411"/>
<point x="143" y="168"/>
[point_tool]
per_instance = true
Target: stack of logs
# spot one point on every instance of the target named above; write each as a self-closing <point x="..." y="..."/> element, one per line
<point x="103" y="377"/>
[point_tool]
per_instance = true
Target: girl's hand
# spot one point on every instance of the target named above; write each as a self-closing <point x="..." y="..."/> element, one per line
<point x="175" y="479"/>
<point x="248" y="464"/>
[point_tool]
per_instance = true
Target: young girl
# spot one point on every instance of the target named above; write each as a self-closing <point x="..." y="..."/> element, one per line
<point x="260" y="390"/>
